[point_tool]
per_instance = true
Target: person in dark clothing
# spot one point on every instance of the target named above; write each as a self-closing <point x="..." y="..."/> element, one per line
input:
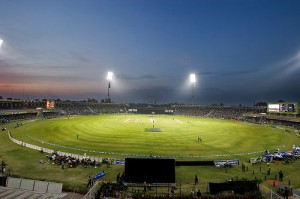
<point x="62" y="165"/>
<point x="3" y="167"/>
<point x="280" y="175"/>
<point x="122" y="177"/>
<point x="196" y="179"/>
<point x="118" y="178"/>
<point x="89" y="184"/>
<point x="269" y="171"/>
<point x="286" y="193"/>
<point x="198" y="193"/>
<point x="243" y="168"/>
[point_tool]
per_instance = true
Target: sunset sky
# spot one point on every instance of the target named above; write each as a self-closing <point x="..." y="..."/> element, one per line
<point x="241" y="51"/>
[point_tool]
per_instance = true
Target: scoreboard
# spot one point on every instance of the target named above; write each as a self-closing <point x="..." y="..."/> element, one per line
<point x="285" y="108"/>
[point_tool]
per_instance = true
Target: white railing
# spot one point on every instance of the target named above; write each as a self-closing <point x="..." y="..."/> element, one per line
<point x="46" y="150"/>
<point x="270" y="194"/>
<point x="91" y="193"/>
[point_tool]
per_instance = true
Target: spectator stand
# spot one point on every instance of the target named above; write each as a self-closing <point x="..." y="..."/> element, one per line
<point x="26" y="188"/>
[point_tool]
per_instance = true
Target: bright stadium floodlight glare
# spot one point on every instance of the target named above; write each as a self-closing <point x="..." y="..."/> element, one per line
<point x="192" y="78"/>
<point x="1" y="41"/>
<point x="193" y="81"/>
<point x="109" y="76"/>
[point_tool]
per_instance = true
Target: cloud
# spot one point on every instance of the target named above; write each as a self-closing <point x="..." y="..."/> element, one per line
<point x="4" y="65"/>
<point x="161" y="94"/>
<point x="228" y="73"/>
<point x="23" y="78"/>
<point x="141" y="77"/>
<point x="83" y="61"/>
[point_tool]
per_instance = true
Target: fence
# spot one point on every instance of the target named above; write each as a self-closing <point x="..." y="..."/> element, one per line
<point x="270" y="194"/>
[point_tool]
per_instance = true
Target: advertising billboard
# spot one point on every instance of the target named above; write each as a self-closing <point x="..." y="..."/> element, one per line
<point x="284" y="107"/>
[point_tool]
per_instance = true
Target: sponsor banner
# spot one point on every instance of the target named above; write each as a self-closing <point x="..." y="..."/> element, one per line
<point x="224" y="162"/>
<point x="122" y="162"/>
<point x="99" y="175"/>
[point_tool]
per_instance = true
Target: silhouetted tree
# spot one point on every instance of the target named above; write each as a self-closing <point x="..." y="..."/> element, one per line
<point x="92" y="100"/>
<point x="261" y="104"/>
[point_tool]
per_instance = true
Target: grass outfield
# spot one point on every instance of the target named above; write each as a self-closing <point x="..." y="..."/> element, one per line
<point x="127" y="134"/>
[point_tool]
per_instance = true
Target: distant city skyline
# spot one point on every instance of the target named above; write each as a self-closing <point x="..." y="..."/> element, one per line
<point x="241" y="52"/>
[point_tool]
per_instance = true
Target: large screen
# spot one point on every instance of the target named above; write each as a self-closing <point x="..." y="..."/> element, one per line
<point x="286" y="107"/>
<point x="50" y="104"/>
<point x="149" y="170"/>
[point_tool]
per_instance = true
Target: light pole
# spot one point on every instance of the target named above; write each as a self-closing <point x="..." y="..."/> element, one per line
<point x="109" y="78"/>
<point x="193" y="81"/>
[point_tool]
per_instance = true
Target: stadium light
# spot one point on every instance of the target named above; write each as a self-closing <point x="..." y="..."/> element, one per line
<point x="193" y="81"/>
<point x="109" y="78"/>
<point x="1" y="41"/>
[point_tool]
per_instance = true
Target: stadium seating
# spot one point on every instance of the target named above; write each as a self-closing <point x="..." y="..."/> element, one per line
<point x="18" y="188"/>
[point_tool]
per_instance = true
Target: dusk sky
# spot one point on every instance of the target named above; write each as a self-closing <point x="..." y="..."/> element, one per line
<point x="242" y="51"/>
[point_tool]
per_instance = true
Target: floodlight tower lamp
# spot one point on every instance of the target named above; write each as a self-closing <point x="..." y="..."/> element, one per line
<point x="109" y="76"/>
<point x="1" y="41"/>
<point x="193" y="81"/>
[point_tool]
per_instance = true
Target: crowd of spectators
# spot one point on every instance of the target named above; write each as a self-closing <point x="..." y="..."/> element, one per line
<point x="20" y="104"/>
<point x="65" y="107"/>
<point x="89" y="108"/>
<point x="254" y="114"/>
<point x="293" y="122"/>
<point x="71" y="162"/>
<point x="224" y="112"/>
<point x="16" y="117"/>
<point x="247" y="113"/>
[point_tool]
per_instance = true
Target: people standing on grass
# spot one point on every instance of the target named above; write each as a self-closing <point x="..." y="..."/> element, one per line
<point x="196" y="179"/>
<point x="90" y="183"/>
<point x="280" y="175"/>
<point x="243" y="168"/>
<point x="62" y="164"/>
<point x="118" y="178"/>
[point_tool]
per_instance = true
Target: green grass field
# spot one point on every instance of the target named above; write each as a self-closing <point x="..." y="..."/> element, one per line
<point x="127" y="134"/>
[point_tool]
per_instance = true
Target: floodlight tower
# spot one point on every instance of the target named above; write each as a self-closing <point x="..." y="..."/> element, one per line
<point x="193" y="81"/>
<point x="109" y="78"/>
